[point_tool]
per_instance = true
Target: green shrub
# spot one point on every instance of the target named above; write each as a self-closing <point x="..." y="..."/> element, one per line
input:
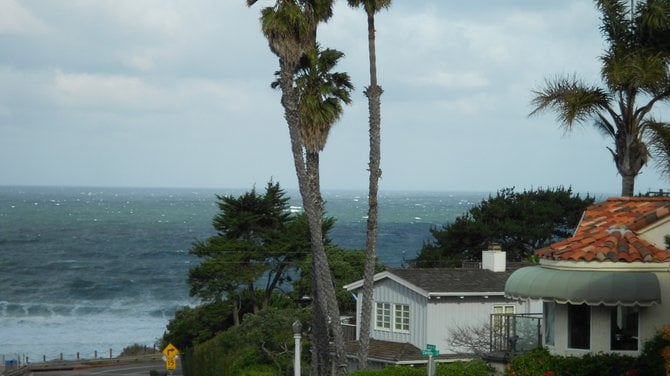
<point x="650" y="361"/>
<point x="539" y="362"/>
<point x="136" y="349"/>
<point x="471" y="368"/>
<point x="393" y="371"/>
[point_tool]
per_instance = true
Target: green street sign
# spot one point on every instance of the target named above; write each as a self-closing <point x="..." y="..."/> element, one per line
<point x="430" y="352"/>
<point x="430" y="347"/>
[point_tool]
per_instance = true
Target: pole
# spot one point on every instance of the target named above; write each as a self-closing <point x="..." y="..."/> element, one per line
<point x="297" y="330"/>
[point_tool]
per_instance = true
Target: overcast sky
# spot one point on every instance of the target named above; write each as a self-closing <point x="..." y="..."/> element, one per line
<point x="164" y="93"/>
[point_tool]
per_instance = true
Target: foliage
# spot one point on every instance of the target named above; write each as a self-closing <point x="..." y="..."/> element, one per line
<point x="254" y="239"/>
<point x="636" y="76"/>
<point x="539" y="362"/>
<point x="261" y="345"/>
<point x="471" y="368"/>
<point x="136" y="349"/>
<point x="194" y="325"/>
<point x="520" y="222"/>
<point x="346" y="266"/>
<point x="652" y="360"/>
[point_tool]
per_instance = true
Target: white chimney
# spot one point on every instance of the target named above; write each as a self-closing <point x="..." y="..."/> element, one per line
<point x="494" y="258"/>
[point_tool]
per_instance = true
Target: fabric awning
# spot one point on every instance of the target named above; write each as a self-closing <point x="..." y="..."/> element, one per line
<point x="590" y="287"/>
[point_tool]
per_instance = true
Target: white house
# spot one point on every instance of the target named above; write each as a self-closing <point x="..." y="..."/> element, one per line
<point x="424" y="306"/>
<point x="606" y="288"/>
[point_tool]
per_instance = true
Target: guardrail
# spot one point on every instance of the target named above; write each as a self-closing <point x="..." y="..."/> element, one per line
<point x="58" y="365"/>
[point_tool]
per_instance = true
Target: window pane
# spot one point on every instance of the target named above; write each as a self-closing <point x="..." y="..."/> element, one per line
<point x="383" y="316"/>
<point x="579" y="326"/>
<point x="624" y="328"/>
<point x="549" y="318"/>
<point x="401" y="317"/>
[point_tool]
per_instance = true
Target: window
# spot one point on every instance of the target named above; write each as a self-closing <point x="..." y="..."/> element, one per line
<point x="624" y="328"/>
<point x="385" y="313"/>
<point x="579" y="326"/>
<point x="383" y="316"/>
<point x="500" y="320"/>
<point x="401" y="318"/>
<point x="549" y="319"/>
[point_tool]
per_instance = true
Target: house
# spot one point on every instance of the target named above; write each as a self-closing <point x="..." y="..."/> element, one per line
<point x="606" y="288"/>
<point x="418" y="307"/>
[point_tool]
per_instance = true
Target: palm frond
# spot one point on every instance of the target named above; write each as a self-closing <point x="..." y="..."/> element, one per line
<point x="572" y="100"/>
<point x="370" y="6"/>
<point x="659" y="142"/>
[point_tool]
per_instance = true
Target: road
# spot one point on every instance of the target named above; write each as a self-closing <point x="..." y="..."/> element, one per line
<point x="132" y="369"/>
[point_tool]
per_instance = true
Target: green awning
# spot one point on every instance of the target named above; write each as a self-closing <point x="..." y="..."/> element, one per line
<point x="590" y="287"/>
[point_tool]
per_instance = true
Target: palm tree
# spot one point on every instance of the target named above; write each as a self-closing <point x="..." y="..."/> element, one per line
<point x="321" y="94"/>
<point x="636" y="76"/>
<point x="290" y="28"/>
<point x="373" y="92"/>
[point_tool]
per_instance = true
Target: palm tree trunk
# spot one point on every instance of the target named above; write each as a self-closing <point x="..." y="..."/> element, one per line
<point x="321" y="274"/>
<point x="627" y="185"/>
<point x="307" y="172"/>
<point x="373" y="92"/>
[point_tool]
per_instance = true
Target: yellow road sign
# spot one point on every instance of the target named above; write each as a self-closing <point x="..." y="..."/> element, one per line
<point x="170" y="351"/>
<point x="170" y="364"/>
<point x="170" y="356"/>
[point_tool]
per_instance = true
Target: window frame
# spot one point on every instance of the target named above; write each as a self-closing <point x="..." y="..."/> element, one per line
<point x="393" y="312"/>
<point x="385" y="308"/>
<point x="404" y="315"/>
<point x="614" y="311"/>
<point x="571" y="324"/>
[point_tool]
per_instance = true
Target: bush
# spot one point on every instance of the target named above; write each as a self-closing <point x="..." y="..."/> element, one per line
<point x="136" y="349"/>
<point x="256" y="347"/>
<point x="392" y="371"/>
<point x="539" y="362"/>
<point x="472" y="368"/>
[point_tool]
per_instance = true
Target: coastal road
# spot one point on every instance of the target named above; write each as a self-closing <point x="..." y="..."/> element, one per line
<point x="134" y="369"/>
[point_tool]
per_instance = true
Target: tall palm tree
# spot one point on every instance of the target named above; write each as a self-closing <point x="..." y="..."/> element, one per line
<point x="321" y="94"/>
<point x="290" y="27"/>
<point x="373" y="92"/>
<point x="636" y="76"/>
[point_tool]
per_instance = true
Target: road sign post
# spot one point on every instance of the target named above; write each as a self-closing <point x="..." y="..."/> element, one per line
<point x="430" y="351"/>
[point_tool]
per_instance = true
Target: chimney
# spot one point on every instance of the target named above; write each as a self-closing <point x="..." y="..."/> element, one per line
<point x="494" y="258"/>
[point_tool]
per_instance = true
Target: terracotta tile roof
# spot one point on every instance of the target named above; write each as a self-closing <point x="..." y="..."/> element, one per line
<point x="609" y="231"/>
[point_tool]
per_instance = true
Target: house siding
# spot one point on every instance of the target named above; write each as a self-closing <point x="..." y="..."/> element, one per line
<point x="389" y="291"/>
<point x="448" y="314"/>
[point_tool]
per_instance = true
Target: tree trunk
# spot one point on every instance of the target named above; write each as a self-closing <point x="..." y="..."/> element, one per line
<point x="236" y="311"/>
<point x="321" y="273"/>
<point x="373" y="92"/>
<point x="308" y="183"/>
<point x="627" y="185"/>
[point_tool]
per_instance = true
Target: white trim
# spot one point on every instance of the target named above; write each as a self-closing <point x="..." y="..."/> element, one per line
<point x="387" y="274"/>
<point x="458" y="294"/>
<point x="613" y="266"/>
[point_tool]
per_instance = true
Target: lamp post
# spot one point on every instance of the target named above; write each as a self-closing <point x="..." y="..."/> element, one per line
<point x="297" y="335"/>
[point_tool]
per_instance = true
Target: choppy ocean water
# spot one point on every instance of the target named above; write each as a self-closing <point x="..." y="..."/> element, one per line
<point x="85" y="270"/>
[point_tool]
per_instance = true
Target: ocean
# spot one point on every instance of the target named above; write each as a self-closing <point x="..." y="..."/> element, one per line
<point x="89" y="271"/>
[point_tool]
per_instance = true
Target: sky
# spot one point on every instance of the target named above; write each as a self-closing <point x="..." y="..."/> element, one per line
<point x="160" y="93"/>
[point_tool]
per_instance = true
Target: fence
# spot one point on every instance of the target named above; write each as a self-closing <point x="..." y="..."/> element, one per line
<point x="15" y="361"/>
<point x="515" y="333"/>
